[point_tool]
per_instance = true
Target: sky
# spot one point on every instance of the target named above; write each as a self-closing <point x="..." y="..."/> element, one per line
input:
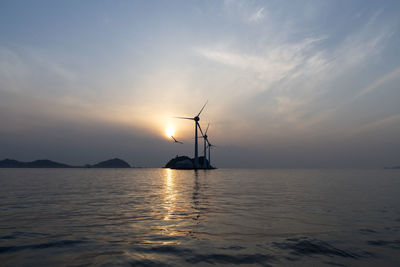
<point x="289" y="84"/>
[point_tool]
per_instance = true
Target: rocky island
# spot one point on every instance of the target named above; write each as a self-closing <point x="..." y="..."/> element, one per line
<point x="186" y="163"/>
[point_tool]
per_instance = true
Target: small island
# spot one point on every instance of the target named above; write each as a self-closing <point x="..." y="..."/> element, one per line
<point x="111" y="163"/>
<point x="186" y="163"/>
<point x="45" y="163"/>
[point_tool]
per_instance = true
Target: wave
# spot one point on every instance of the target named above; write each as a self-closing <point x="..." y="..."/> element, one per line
<point x="57" y="244"/>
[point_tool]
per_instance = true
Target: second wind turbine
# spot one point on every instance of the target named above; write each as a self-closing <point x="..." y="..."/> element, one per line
<point x="196" y="124"/>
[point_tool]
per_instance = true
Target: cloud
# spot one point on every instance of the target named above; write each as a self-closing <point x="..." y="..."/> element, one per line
<point x="258" y="15"/>
<point x="297" y="85"/>
<point x="386" y="123"/>
<point x="272" y="64"/>
<point x="378" y="83"/>
<point x="247" y="12"/>
<point x="33" y="83"/>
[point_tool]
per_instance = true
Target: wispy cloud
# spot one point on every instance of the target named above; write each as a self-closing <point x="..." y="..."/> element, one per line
<point x="248" y="12"/>
<point x="258" y="15"/>
<point x="385" y="123"/>
<point x="20" y="66"/>
<point x="274" y="63"/>
<point x="297" y="77"/>
<point x="378" y="83"/>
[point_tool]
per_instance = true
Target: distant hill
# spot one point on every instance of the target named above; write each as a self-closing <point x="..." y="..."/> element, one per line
<point x="111" y="163"/>
<point x="42" y="163"/>
<point x="45" y="163"/>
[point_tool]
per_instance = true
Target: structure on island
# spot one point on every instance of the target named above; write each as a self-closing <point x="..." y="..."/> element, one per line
<point x="197" y="162"/>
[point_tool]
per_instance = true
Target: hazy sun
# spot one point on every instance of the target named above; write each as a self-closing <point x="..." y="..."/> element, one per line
<point x="170" y="131"/>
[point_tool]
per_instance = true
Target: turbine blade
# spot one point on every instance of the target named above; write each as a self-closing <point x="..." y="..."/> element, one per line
<point x="210" y="145"/>
<point x="202" y="108"/>
<point x="185" y="118"/>
<point x="198" y="124"/>
<point x="207" y="128"/>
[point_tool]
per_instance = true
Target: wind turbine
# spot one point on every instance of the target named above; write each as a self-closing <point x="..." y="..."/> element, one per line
<point x="205" y="138"/>
<point x="196" y="124"/>
<point x="209" y="146"/>
<point x="209" y="155"/>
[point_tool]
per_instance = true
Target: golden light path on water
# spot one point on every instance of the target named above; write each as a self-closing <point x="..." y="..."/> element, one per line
<point x="172" y="204"/>
<point x="169" y="194"/>
<point x="175" y="207"/>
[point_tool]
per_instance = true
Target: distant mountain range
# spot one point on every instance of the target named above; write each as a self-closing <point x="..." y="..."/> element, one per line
<point x="45" y="163"/>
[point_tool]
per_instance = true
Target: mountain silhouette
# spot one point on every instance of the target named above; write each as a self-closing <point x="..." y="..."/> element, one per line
<point x="42" y="163"/>
<point x="111" y="163"/>
<point x="45" y="163"/>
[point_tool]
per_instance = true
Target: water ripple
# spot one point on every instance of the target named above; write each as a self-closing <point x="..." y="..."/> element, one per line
<point x="394" y="244"/>
<point x="260" y="259"/>
<point x="305" y="246"/>
<point x="55" y="244"/>
<point x="161" y="217"/>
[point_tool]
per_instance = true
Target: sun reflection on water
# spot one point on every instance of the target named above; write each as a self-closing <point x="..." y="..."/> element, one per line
<point x="169" y="195"/>
<point x="171" y="223"/>
<point x="181" y="212"/>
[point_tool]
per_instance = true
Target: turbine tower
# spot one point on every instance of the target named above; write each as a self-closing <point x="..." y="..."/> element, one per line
<point x="209" y="154"/>
<point x="208" y="145"/>
<point x="196" y="124"/>
<point x="205" y="138"/>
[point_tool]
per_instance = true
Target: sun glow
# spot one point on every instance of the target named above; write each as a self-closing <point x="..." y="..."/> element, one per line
<point x="170" y="131"/>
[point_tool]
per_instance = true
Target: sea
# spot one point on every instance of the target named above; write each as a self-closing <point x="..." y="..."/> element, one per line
<point x="223" y="217"/>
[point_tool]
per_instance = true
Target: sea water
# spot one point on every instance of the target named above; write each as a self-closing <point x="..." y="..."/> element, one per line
<point x="163" y="217"/>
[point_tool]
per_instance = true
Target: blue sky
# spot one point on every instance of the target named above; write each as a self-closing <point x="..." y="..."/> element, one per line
<point x="289" y="83"/>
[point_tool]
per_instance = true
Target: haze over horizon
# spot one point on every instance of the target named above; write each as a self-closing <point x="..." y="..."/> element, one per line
<point x="295" y="84"/>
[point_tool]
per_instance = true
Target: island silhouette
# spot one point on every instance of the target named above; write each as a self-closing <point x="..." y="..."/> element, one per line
<point x="186" y="163"/>
<point x="179" y="162"/>
<point x="46" y="163"/>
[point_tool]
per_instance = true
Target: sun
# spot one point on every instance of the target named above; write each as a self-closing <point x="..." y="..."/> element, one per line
<point x="170" y="131"/>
